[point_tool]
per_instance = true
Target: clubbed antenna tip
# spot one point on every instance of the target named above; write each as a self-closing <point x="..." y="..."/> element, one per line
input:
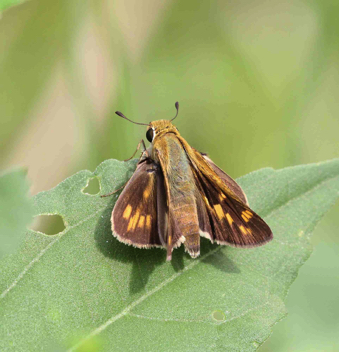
<point x="124" y="117"/>
<point x="177" y="107"/>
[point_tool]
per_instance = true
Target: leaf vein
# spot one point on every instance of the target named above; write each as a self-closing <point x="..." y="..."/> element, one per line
<point x="167" y="319"/>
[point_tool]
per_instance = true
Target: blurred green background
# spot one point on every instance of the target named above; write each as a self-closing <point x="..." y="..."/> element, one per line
<point x="257" y="83"/>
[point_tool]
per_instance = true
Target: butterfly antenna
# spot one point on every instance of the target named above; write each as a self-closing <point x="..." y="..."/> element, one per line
<point x="124" y="117"/>
<point x="177" y="107"/>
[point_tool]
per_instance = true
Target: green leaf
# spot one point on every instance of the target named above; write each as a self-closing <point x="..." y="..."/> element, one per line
<point x="83" y="290"/>
<point x="16" y="210"/>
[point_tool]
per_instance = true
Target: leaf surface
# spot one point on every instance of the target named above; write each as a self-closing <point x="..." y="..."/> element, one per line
<point x="16" y="211"/>
<point x="83" y="290"/>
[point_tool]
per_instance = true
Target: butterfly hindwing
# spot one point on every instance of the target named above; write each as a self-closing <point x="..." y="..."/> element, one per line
<point x="134" y="217"/>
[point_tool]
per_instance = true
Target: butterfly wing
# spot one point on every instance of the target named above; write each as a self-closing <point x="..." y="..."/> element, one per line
<point x="134" y="218"/>
<point x="231" y="221"/>
<point x="228" y="180"/>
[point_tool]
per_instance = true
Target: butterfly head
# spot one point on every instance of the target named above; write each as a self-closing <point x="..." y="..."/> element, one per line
<point x="157" y="128"/>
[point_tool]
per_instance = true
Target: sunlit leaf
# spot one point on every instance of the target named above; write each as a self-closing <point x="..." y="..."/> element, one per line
<point x="83" y="290"/>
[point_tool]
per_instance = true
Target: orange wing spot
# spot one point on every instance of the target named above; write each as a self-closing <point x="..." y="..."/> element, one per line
<point x="206" y="201"/>
<point x="130" y="223"/>
<point x="218" y="209"/>
<point x="141" y="222"/>
<point x="133" y="222"/>
<point x="249" y="213"/>
<point x="229" y="219"/>
<point x="243" y="230"/>
<point x="222" y="197"/>
<point x="147" y="191"/>
<point x="169" y="240"/>
<point x="246" y="215"/>
<point x="127" y="212"/>
<point x="148" y="221"/>
<point x="244" y="218"/>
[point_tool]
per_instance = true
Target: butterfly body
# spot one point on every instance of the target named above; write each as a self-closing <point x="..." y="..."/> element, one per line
<point x="178" y="194"/>
<point x="181" y="191"/>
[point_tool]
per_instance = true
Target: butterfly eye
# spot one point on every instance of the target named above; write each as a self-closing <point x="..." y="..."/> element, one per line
<point x="149" y="135"/>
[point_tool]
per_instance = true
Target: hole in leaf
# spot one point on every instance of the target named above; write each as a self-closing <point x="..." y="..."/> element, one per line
<point x="93" y="186"/>
<point x="219" y="316"/>
<point x="48" y="224"/>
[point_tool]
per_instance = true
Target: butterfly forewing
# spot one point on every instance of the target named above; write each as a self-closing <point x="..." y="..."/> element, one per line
<point x="231" y="220"/>
<point x="134" y="217"/>
<point x="228" y="180"/>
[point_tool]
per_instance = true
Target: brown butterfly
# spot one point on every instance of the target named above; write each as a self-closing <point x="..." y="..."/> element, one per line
<point x="178" y="194"/>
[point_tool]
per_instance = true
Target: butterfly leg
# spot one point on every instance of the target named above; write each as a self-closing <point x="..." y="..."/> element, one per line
<point x="138" y="147"/>
<point x="117" y="190"/>
<point x="144" y="152"/>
